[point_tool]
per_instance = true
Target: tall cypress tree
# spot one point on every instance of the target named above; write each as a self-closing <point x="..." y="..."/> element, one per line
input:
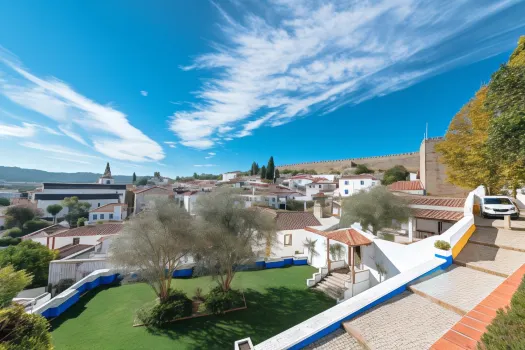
<point x="263" y="172"/>
<point x="252" y="170"/>
<point x="270" y="169"/>
<point x="134" y="177"/>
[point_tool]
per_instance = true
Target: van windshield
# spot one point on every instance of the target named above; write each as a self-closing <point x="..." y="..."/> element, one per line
<point x="497" y="201"/>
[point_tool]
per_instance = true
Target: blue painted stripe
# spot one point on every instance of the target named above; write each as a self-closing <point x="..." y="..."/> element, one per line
<point x="183" y="273"/>
<point x="336" y="325"/>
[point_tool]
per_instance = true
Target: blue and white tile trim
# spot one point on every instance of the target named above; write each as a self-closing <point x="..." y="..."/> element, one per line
<point x="70" y="296"/>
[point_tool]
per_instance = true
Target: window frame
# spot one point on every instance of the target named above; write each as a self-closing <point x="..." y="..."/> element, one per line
<point x="287" y="236"/>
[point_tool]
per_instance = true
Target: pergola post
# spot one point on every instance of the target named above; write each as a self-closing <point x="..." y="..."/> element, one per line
<point x="328" y="253"/>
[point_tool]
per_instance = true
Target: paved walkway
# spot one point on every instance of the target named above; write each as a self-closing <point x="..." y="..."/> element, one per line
<point x="338" y="340"/>
<point x="468" y="331"/>
<point x="458" y="288"/>
<point x="407" y="321"/>
<point x="519" y="224"/>
<point x="508" y="239"/>
<point x="498" y="261"/>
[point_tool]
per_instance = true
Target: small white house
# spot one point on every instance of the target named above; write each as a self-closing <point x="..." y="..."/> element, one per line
<point x="230" y="175"/>
<point x="327" y="187"/>
<point x="351" y="184"/>
<point x="109" y="212"/>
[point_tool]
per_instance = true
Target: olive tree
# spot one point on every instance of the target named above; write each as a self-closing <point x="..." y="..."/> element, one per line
<point x="153" y="243"/>
<point x="230" y="235"/>
<point x="375" y="209"/>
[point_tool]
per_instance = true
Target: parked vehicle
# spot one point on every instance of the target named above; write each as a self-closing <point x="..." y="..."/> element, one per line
<point x="498" y="206"/>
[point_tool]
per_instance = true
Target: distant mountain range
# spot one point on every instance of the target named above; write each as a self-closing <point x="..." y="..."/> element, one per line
<point x="15" y="174"/>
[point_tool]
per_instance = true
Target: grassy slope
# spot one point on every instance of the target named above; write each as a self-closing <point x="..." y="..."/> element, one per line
<point x="277" y="299"/>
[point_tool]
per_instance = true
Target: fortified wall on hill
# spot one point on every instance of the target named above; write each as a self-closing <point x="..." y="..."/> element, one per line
<point x="432" y="172"/>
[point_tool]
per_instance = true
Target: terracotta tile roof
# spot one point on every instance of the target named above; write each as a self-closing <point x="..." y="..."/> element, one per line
<point x="151" y="188"/>
<point x="295" y="220"/>
<point x="70" y="249"/>
<point x="438" y="202"/>
<point x="348" y="236"/>
<point x="415" y="185"/>
<point x="360" y="176"/>
<point x="46" y="231"/>
<point x="437" y="214"/>
<point x="109" y="208"/>
<point x="91" y="230"/>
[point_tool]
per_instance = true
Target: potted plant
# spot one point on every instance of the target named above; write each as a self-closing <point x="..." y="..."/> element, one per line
<point x="197" y="300"/>
<point x="442" y="249"/>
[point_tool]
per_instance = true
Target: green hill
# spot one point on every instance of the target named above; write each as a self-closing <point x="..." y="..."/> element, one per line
<point x="15" y="174"/>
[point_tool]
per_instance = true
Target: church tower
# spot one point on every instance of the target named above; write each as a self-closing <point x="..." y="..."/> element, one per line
<point x="106" y="179"/>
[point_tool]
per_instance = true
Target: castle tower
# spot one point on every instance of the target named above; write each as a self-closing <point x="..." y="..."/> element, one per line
<point x="106" y="179"/>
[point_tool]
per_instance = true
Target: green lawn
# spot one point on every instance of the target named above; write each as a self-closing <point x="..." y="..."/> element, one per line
<point x="277" y="299"/>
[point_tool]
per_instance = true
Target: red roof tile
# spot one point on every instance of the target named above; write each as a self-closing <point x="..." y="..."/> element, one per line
<point x="348" y="236"/>
<point x="92" y="230"/>
<point x="295" y="220"/>
<point x="108" y="208"/>
<point x="415" y="185"/>
<point x="437" y="214"/>
<point x="438" y="202"/>
<point x="70" y="249"/>
<point x="151" y="188"/>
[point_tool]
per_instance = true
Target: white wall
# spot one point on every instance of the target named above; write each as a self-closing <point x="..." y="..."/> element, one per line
<point x="229" y="176"/>
<point x="63" y="241"/>
<point x="315" y="188"/>
<point x="353" y="186"/>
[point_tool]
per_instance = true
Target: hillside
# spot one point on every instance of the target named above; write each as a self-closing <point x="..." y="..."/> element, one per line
<point x="15" y="174"/>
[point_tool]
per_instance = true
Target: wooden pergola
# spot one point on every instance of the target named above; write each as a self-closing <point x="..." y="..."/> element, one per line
<point x="352" y="239"/>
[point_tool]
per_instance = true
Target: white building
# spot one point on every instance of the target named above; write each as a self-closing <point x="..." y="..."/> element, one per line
<point x="57" y="236"/>
<point x="145" y="196"/>
<point x="230" y="175"/>
<point x="108" y="212"/>
<point x="105" y="191"/>
<point x="351" y="184"/>
<point x="325" y="186"/>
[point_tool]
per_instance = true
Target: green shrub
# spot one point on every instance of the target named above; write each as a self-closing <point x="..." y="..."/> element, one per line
<point x="177" y="305"/>
<point x="218" y="301"/>
<point x="388" y="237"/>
<point x="442" y="245"/>
<point x="507" y="330"/>
<point x="34" y="225"/>
<point x="199" y="295"/>
<point x="20" y="330"/>
<point x="64" y="284"/>
<point x="7" y="241"/>
<point x="99" y="222"/>
<point x="4" y="202"/>
<point x="14" y="232"/>
<point x="81" y="222"/>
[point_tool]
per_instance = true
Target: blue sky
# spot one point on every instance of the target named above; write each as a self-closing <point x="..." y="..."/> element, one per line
<point x="185" y="86"/>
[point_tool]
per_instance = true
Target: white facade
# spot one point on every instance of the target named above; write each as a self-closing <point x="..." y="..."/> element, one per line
<point x="144" y="197"/>
<point x="230" y="176"/>
<point x="350" y="185"/>
<point x="43" y="204"/>
<point x="316" y="187"/>
<point x="110" y="213"/>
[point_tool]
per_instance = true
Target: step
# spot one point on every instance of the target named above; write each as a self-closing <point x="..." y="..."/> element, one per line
<point x="496" y="261"/>
<point x="335" y="290"/>
<point x="457" y="288"/>
<point x="499" y="238"/>
<point x="340" y="279"/>
<point x="334" y="281"/>
<point x="338" y="340"/>
<point x="328" y="291"/>
<point x="407" y="321"/>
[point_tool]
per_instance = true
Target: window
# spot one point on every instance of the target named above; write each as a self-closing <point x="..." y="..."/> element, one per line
<point x="98" y="205"/>
<point x="110" y="216"/>
<point x="346" y="191"/>
<point x="319" y="186"/>
<point x="362" y="183"/>
<point x="95" y="216"/>
<point x="101" y="216"/>
<point x="107" y="182"/>
<point x="346" y="182"/>
<point x="287" y="239"/>
<point x="273" y="199"/>
<point x="76" y="240"/>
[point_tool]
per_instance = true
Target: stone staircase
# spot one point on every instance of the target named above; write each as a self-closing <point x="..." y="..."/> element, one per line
<point x="333" y="285"/>
<point x="417" y="318"/>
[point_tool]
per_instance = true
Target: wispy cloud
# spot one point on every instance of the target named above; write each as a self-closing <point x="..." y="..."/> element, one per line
<point x="57" y="149"/>
<point x="171" y="144"/>
<point x="109" y="130"/>
<point x="204" y="165"/>
<point x="299" y="57"/>
<point x="69" y="160"/>
<point x="210" y="155"/>
<point x="144" y="93"/>
<point x="25" y="130"/>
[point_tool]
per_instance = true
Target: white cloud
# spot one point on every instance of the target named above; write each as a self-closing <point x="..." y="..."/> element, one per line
<point x="110" y="131"/>
<point x="300" y="57"/>
<point x="204" y="165"/>
<point x="144" y="93"/>
<point x="26" y="130"/>
<point x="58" y="149"/>
<point x="210" y="155"/>
<point x="171" y="144"/>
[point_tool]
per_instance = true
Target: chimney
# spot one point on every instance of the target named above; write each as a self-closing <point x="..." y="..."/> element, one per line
<point x="319" y="199"/>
